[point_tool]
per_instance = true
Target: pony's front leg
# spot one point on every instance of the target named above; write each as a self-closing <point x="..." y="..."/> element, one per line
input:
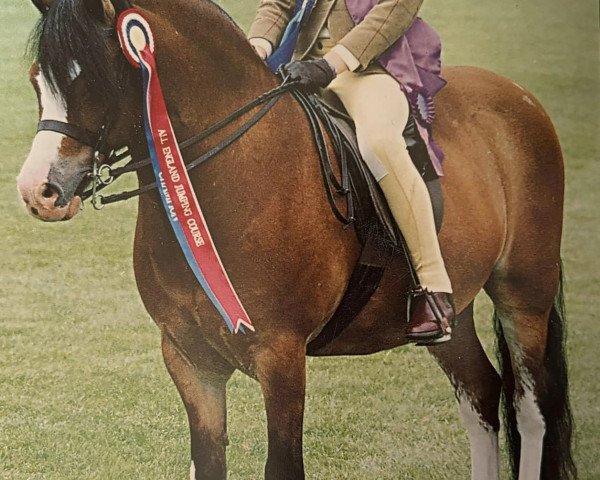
<point x="202" y="389"/>
<point x="282" y="376"/>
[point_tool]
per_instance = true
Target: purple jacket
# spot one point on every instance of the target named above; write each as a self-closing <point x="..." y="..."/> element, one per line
<point x="415" y="61"/>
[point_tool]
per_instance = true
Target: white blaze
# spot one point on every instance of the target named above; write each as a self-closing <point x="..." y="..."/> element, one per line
<point x="46" y="145"/>
<point x="53" y="105"/>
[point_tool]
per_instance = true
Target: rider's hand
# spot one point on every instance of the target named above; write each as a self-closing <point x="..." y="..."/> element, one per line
<point x="260" y="51"/>
<point x="261" y="46"/>
<point x="310" y="74"/>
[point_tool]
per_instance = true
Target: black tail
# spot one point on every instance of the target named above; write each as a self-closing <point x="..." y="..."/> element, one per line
<point x="513" y="438"/>
<point x="557" y="459"/>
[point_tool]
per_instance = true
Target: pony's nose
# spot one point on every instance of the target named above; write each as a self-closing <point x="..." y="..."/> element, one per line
<point x="47" y="202"/>
<point x="53" y="192"/>
<point x="48" y="195"/>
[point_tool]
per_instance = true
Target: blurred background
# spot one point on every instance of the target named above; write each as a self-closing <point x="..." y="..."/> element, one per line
<point x="83" y="389"/>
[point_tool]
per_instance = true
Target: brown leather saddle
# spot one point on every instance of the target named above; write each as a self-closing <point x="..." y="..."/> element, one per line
<point x="367" y="208"/>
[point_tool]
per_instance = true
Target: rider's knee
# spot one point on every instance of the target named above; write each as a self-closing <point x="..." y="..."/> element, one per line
<point x="385" y="146"/>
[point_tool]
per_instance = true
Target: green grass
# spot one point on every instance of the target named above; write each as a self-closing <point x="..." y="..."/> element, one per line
<point x="83" y="390"/>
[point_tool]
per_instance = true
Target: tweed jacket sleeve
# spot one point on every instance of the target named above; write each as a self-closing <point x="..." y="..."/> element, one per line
<point x="385" y="23"/>
<point x="271" y="19"/>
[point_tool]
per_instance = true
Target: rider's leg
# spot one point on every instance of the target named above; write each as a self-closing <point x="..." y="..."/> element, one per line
<point x="380" y="110"/>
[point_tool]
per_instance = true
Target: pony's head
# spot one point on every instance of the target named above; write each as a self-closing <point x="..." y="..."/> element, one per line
<point x="81" y="80"/>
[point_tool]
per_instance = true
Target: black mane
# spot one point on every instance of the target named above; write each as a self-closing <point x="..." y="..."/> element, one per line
<point x="69" y="32"/>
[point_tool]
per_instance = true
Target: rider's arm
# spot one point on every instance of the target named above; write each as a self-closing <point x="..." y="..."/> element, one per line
<point x="385" y="23"/>
<point x="270" y="21"/>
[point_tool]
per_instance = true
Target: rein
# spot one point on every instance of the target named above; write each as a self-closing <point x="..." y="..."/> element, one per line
<point x="107" y="175"/>
<point x="317" y="116"/>
<point x="103" y="174"/>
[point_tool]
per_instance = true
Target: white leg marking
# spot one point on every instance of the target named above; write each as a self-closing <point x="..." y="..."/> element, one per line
<point x="531" y="426"/>
<point x="485" y="455"/>
<point x="46" y="145"/>
<point x="192" y="471"/>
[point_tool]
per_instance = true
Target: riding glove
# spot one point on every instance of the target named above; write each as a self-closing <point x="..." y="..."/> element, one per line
<point x="310" y="74"/>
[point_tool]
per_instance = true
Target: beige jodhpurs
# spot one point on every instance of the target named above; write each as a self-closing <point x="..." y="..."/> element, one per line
<point x="380" y="111"/>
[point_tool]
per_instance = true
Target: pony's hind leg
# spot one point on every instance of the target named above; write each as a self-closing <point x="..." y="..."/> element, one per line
<point x="202" y="389"/>
<point x="534" y="374"/>
<point x="525" y="337"/>
<point x="477" y="388"/>
<point x="281" y="370"/>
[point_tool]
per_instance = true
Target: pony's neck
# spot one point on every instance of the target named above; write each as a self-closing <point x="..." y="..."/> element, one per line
<point x="206" y="65"/>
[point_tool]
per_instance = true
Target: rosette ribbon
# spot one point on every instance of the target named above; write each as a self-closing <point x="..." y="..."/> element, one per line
<point x="176" y="191"/>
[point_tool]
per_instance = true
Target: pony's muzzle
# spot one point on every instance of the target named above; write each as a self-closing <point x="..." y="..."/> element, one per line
<point x="47" y="201"/>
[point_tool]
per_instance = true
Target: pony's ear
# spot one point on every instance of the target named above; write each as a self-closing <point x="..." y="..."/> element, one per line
<point x="43" y="5"/>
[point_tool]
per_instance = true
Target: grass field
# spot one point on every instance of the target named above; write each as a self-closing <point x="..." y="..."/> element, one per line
<point x="83" y="390"/>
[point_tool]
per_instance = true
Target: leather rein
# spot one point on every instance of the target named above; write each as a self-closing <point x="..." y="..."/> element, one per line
<point x="104" y="174"/>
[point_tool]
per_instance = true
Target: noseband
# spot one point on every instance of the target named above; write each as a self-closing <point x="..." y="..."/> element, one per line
<point x="81" y="135"/>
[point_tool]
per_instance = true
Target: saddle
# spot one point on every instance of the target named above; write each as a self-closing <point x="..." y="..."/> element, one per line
<point x="366" y="209"/>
